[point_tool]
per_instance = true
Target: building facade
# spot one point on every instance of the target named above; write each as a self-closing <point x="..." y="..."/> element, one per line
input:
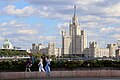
<point x="94" y="51"/>
<point x="76" y="41"/>
<point x="118" y="50"/>
<point x="112" y="49"/>
<point x="38" y="48"/>
<point x="118" y="43"/>
<point x="51" y="49"/>
<point x="118" y="54"/>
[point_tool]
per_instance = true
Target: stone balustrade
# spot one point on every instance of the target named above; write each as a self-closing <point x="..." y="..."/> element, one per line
<point x="53" y="74"/>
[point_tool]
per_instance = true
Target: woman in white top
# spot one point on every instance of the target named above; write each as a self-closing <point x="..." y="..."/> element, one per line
<point x="41" y="65"/>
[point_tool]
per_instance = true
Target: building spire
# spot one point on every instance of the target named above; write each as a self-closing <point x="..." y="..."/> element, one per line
<point x="74" y="10"/>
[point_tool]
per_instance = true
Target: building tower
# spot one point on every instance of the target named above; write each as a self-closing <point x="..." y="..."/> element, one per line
<point x="112" y="48"/>
<point x="118" y="43"/>
<point x="76" y="41"/>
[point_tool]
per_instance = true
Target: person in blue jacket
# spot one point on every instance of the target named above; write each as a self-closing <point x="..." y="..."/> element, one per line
<point x="47" y="67"/>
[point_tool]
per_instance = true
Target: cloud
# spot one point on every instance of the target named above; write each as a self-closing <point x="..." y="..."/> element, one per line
<point x="1" y="38"/>
<point x="8" y="0"/>
<point x="24" y="38"/>
<point x="47" y="9"/>
<point x="14" y="28"/>
<point x="64" y="2"/>
<point x="3" y="29"/>
<point x="41" y="11"/>
<point x="111" y="20"/>
<point x="13" y="10"/>
<point x="23" y="41"/>
<point x="92" y="25"/>
<point x="116" y="36"/>
<point x="30" y="32"/>
<point x="6" y="33"/>
<point x="113" y="10"/>
<point x="88" y="2"/>
<point x="96" y="16"/>
<point x="13" y="23"/>
<point x="62" y="27"/>
<point x="92" y="34"/>
<point x="90" y="18"/>
<point x="110" y="29"/>
<point x="66" y="6"/>
<point x="86" y="10"/>
<point x="47" y="38"/>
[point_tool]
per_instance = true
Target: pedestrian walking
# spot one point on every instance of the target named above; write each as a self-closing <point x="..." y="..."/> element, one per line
<point x="28" y="65"/>
<point x="47" y="67"/>
<point x="40" y="64"/>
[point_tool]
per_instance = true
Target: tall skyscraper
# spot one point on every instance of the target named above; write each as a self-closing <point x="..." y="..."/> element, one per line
<point x="76" y="41"/>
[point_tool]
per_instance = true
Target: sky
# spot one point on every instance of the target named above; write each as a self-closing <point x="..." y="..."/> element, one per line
<point x="24" y="22"/>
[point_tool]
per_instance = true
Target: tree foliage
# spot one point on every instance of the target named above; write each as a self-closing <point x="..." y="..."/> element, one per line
<point x="6" y="52"/>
